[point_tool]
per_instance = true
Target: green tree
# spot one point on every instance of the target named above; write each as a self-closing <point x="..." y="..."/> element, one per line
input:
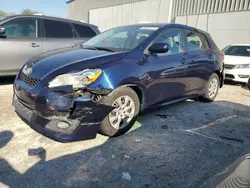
<point x="28" y="11"/>
<point x="2" y="13"/>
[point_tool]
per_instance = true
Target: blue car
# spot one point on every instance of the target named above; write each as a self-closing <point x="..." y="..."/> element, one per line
<point x="73" y="93"/>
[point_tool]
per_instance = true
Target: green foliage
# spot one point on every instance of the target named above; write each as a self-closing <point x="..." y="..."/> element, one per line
<point x="28" y="11"/>
<point x="2" y="13"/>
<point x="24" y="11"/>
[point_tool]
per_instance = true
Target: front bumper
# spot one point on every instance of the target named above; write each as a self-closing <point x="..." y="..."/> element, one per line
<point x="52" y="107"/>
<point x="237" y="75"/>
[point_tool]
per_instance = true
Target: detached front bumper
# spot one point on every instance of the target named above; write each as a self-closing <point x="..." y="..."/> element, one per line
<point x="237" y="75"/>
<point x="57" y="114"/>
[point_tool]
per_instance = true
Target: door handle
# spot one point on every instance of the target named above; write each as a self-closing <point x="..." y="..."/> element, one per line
<point x="211" y="56"/>
<point x="34" y="45"/>
<point x="184" y="61"/>
<point x="191" y="62"/>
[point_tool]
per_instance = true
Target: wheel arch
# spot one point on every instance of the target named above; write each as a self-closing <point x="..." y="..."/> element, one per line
<point x="140" y="91"/>
<point x="221" y="77"/>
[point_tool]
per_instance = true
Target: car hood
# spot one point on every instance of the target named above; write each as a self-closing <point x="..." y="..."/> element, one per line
<point x="68" y="60"/>
<point x="236" y="60"/>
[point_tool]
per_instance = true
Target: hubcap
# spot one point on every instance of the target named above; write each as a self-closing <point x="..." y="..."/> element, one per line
<point x="213" y="87"/>
<point x="123" y="113"/>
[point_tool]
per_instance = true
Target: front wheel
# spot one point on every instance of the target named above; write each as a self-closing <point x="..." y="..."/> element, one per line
<point x="123" y="117"/>
<point x="211" y="89"/>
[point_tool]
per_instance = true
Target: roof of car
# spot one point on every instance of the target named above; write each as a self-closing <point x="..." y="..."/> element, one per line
<point x="80" y="22"/>
<point x="148" y="24"/>
<point x="166" y="24"/>
<point x="159" y="24"/>
<point x="49" y="17"/>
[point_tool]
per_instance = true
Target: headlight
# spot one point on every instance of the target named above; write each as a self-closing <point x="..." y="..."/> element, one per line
<point x="77" y="80"/>
<point x="242" y="66"/>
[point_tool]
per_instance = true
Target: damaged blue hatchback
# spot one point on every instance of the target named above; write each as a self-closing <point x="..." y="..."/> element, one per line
<point x="101" y="86"/>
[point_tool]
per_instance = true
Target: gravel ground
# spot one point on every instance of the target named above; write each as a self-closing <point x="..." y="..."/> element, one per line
<point x="181" y="145"/>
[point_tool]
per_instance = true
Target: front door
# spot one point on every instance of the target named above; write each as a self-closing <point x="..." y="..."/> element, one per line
<point x="167" y="76"/>
<point x="19" y="44"/>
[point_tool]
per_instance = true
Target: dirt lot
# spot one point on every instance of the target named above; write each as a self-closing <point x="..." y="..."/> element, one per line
<point x="176" y="146"/>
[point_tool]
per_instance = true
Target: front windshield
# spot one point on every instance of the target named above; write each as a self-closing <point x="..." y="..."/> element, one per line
<point x="121" y="38"/>
<point x="237" y="51"/>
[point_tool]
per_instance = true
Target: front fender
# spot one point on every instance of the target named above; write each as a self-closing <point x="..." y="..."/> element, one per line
<point x="123" y="73"/>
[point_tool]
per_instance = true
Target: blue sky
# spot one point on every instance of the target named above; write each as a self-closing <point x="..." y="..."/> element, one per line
<point x="48" y="7"/>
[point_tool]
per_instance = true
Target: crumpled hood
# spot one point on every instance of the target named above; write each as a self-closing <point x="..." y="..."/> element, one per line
<point x="236" y="60"/>
<point x="71" y="58"/>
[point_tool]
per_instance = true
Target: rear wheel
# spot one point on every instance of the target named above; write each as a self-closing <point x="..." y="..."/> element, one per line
<point x="211" y="89"/>
<point x="122" y="118"/>
<point x="248" y="84"/>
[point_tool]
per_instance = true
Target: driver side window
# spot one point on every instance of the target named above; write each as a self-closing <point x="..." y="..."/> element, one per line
<point x="25" y="27"/>
<point x="174" y="40"/>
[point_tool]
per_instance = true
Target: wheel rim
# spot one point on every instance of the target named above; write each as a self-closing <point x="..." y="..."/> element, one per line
<point x="213" y="87"/>
<point x="124" y="112"/>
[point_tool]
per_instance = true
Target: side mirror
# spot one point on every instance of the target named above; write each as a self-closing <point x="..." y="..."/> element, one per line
<point x="158" y="48"/>
<point x="2" y="30"/>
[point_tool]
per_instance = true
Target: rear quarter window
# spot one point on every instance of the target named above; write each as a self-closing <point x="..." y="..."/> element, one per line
<point x="84" y="31"/>
<point x="211" y="42"/>
<point x="205" y="40"/>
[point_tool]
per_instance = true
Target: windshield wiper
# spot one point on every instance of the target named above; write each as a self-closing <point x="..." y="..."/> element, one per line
<point x="98" y="48"/>
<point x="77" y="45"/>
<point x="104" y="49"/>
<point x="89" y="48"/>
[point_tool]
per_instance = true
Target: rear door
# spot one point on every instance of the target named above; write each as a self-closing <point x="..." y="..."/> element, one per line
<point x="20" y="43"/>
<point x="201" y="61"/>
<point x="84" y="32"/>
<point x="58" y="34"/>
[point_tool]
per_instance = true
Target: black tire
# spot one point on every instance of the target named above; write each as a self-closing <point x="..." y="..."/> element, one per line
<point x="206" y="97"/>
<point x="248" y="84"/>
<point x="106" y="128"/>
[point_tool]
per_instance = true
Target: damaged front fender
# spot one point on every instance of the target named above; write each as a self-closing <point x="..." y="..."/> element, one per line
<point x="54" y="102"/>
<point x="88" y="112"/>
<point x="66" y="102"/>
<point x="62" y="105"/>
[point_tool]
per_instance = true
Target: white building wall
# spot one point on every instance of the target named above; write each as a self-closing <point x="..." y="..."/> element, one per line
<point x="228" y="21"/>
<point x="150" y="11"/>
<point x="79" y="9"/>
<point x="225" y="28"/>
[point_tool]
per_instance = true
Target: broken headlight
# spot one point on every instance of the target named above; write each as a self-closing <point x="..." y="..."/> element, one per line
<point x="77" y="80"/>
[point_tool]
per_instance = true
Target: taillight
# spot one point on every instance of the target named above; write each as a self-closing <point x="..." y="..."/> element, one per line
<point x="222" y="56"/>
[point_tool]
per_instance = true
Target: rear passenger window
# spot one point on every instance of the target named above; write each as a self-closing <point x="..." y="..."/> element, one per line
<point x="57" y="29"/>
<point x="84" y="31"/>
<point x="195" y="41"/>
